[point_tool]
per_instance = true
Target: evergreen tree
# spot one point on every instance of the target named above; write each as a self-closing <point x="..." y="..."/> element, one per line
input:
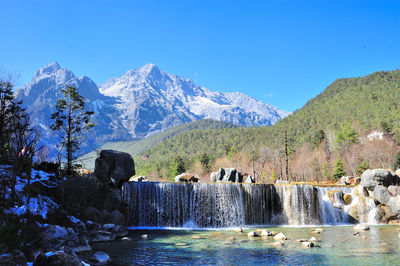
<point x="71" y="120"/>
<point x="205" y="162"/>
<point x="338" y="170"/>
<point x="176" y="167"/>
<point x="364" y="165"/>
<point x="396" y="163"/>
<point x="6" y="99"/>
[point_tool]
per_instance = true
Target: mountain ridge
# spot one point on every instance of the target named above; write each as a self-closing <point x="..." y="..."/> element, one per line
<point x="141" y="103"/>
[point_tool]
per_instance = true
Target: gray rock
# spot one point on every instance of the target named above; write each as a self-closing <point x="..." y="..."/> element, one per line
<point x="115" y="166"/>
<point x="55" y="232"/>
<point x="250" y="179"/>
<point x="381" y="194"/>
<point x="344" y="180"/>
<point x="118" y="218"/>
<point x="92" y="225"/>
<point x="112" y="200"/>
<point x="307" y="244"/>
<point x="102" y="236"/>
<point x="372" y="178"/>
<point x="394" y="205"/>
<point x="120" y="231"/>
<point x="106" y="216"/>
<point x="56" y="258"/>
<point x="227" y="175"/>
<point x="100" y="257"/>
<point x="394" y="190"/>
<point x="213" y="176"/>
<point x="93" y="214"/>
<point x="139" y="179"/>
<point x="186" y="177"/>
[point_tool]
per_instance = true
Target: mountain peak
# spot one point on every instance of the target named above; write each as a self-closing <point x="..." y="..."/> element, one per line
<point x="48" y="69"/>
<point x="149" y="69"/>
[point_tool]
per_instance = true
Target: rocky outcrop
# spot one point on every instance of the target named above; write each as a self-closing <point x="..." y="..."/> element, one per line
<point x="185" y="177"/>
<point x="114" y="166"/>
<point x="372" y="178"/>
<point x="112" y="200"/>
<point x="383" y="186"/>
<point x="226" y="175"/>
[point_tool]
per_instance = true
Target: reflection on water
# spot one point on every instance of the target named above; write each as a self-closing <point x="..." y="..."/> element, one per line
<point x="336" y="245"/>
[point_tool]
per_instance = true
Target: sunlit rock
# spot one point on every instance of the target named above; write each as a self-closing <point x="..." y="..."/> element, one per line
<point x="280" y="236"/>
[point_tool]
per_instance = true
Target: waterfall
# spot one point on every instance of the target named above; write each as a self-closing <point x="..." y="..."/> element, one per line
<point x="216" y="205"/>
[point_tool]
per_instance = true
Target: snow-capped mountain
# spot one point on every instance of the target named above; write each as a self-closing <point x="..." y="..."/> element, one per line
<point x="152" y="100"/>
<point x="142" y="102"/>
<point x="40" y="97"/>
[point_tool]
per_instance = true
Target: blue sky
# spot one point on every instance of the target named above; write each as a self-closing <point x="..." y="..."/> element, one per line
<point x="280" y="52"/>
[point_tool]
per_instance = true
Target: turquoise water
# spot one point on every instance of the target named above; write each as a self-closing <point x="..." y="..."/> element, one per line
<point x="336" y="246"/>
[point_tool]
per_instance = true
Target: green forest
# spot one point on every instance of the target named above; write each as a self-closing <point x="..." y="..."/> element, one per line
<point x="356" y="104"/>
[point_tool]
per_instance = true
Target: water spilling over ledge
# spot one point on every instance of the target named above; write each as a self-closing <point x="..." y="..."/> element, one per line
<point x="216" y="205"/>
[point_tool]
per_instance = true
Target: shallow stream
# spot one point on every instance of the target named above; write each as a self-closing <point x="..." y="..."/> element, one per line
<point x="336" y="246"/>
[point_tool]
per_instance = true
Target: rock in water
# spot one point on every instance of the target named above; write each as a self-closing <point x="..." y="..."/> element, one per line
<point x="115" y="166"/>
<point x="253" y="234"/>
<point x="266" y="233"/>
<point x="280" y="236"/>
<point x="381" y="194"/>
<point x="361" y="227"/>
<point x="100" y="257"/>
<point x="372" y="178"/>
<point x="307" y="244"/>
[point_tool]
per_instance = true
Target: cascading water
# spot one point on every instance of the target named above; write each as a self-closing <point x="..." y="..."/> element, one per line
<point x="216" y="205"/>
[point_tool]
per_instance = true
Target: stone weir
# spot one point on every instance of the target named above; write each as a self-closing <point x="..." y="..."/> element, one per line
<point x="216" y="205"/>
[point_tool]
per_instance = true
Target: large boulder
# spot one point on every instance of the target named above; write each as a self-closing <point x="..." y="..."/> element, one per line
<point x="372" y="178"/>
<point x="185" y="177"/>
<point x="93" y="214"/>
<point x="112" y="200"/>
<point x="118" y="218"/>
<point x="115" y="166"/>
<point x="394" y="205"/>
<point x="227" y="175"/>
<point x="394" y="190"/>
<point x="381" y="194"/>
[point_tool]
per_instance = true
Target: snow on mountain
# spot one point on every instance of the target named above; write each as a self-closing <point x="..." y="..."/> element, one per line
<point x="142" y="102"/>
<point x="152" y="101"/>
<point x="40" y="97"/>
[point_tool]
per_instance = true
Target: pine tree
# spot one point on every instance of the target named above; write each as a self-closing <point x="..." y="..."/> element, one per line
<point x="6" y="99"/>
<point x="396" y="163"/>
<point x="71" y="120"/>
<point x="205" y="162"/>
<point x="338" y="170"/>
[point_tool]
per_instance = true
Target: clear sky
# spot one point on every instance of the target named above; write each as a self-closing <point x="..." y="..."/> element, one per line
<point x="280" y="52"/>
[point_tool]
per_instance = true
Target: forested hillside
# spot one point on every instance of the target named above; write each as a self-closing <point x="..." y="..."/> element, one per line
<point x="348" y="105"/>
<point x="136" y="147"/>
